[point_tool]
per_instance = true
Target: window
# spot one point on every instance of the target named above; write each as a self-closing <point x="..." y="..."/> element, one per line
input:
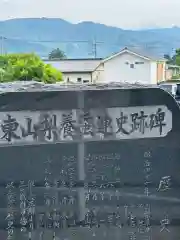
<point x="85" y="81"/>
<point x="79" y="79"/>
<point x="131" y="65"/>
<point x="139" y="62"/>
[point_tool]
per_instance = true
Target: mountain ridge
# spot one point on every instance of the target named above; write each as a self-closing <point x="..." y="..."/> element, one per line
<point x="41" y="35"/>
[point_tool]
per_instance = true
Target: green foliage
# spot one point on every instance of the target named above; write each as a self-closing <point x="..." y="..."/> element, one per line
<point x="27" y="67"/>
<point x="57" y="54"/>
<point x="175" y="59"/>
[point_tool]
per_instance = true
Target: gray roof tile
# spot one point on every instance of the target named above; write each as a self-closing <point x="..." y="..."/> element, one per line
<point x="78" y="65"/>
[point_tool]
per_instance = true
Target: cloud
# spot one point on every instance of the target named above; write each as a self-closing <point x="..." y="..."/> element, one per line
<point x="121" y="13"/>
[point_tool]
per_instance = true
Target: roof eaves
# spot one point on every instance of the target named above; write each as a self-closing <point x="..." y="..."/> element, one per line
<point x="86" y="71"/>
<point x="128" y="51"/>
<point x="72" y="59"/>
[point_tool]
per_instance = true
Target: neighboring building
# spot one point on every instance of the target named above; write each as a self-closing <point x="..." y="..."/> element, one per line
<point x="76" y="70"/>
<point x="128" y="65"/>
<point x="172" y="71"/>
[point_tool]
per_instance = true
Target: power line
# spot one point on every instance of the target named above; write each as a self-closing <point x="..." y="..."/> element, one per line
<point x="93" y="43"/>
<point x="45" y="41"/>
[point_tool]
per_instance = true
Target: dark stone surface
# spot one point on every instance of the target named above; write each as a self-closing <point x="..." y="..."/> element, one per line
<point x="114" y="171"/>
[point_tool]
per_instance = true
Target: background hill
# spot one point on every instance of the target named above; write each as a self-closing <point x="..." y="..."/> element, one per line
<point x="76" y="40"/>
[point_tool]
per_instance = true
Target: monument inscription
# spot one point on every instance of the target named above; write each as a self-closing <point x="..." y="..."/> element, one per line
<point x="95" y="168"/>
<point x="33" y="127"/>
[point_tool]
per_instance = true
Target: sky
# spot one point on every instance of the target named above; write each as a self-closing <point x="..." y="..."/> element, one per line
<point x="131" y="14"/>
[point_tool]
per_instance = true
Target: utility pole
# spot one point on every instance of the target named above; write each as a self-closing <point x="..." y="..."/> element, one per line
<point x="2" y="45"/>
<point x="94" y="47"/>
<point x="1" y="53"/>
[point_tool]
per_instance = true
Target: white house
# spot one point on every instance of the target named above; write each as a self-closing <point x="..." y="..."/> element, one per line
<point x="128" y="65"/>
<point x="76" y="70"/>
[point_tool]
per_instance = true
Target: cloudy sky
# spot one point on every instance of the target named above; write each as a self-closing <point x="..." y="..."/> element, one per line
<point x="121" y="13"/>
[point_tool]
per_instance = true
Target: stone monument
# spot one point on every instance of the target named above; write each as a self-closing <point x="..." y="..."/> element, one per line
<point x="83" y="162"/>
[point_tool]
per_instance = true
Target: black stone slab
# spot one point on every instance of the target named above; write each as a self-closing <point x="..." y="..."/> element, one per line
<point x="112" y="178"/>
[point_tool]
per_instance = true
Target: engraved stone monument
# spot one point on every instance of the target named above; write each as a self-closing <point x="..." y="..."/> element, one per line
<point x="92" y="162"/>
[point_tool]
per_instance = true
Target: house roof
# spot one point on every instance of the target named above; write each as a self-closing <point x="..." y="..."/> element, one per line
<point x="75" y="65"/>
<point x="138" y="52"/>
<point x="72" y="59"/>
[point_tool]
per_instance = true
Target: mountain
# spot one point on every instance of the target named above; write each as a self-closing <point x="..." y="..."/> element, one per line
<point x="41" y="35"/>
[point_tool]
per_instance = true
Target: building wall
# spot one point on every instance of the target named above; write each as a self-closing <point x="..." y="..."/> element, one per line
<point x="73" y="77"/>
<point x="160" y="71"/>
<point x="98" y="74"/>
<point x="120" y="69"/>
<point x="153" y="72"/>
<point x="171" y="71"/>
<point x="169" y="74"/>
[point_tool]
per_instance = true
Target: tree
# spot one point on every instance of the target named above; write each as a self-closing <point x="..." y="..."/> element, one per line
<point x="177" y="57"/>
<point x="174" y="59"/>
<point x="57" y="54"/>
<point x="27" y="67"/>
<point x="168" y="58"/>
